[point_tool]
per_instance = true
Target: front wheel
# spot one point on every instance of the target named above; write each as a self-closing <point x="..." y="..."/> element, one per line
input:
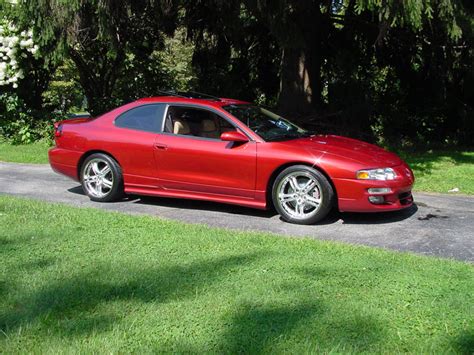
<point x="101" y="178"/>
<point x="302" y="195"/>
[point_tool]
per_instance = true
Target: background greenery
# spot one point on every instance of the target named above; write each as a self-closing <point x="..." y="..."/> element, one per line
<point x="394" y="72"/>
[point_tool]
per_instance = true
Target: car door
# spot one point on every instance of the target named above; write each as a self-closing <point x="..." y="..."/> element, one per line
<point x="132" y="143"/>
<point x="191" y="157"/>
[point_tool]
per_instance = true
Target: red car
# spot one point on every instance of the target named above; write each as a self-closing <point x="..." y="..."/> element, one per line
<point x="227" y="151"/>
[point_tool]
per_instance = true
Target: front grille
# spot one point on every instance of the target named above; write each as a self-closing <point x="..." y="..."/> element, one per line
<point x="405" y="198"/>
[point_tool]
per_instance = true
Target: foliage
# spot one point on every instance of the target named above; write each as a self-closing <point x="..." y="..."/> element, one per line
<point x="412" y="13"/>
<point x="91" y="280"/>
<point x="175" y="62"/>
<point x="18" y="124"/>
<point x="396" y="72"/>
<point x="64" y="94"/>
<point x="15" y="120"/>
<point x="166" y="68"/>
<point x="99" y="37"/>
<point x="234" y="55"/>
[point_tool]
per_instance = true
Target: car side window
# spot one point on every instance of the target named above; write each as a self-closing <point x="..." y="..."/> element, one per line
<point x="196" y="122"/>
<point x="148" y="118"/>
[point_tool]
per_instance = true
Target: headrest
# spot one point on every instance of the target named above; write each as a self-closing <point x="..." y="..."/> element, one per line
<point x="208" y="126"/>
<point x="181" y="127"/>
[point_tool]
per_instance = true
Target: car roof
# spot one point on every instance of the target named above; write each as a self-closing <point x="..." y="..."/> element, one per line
<point x="184" y="100"/>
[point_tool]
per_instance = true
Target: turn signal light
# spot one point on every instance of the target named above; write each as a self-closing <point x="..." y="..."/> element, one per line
<point x="363" y="175"/>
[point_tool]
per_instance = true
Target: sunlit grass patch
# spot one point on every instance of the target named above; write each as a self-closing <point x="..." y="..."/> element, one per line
<point x="36" y="153"/>
<point x="83" y="280"/>
<point x="442" y="171"/>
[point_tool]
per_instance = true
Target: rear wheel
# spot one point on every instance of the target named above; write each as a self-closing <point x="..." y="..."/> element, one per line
<point x="101" y="178"/>
<point x="302" y="195"/>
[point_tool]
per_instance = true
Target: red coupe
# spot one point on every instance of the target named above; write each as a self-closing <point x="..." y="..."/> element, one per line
<point x="224" y="150"/>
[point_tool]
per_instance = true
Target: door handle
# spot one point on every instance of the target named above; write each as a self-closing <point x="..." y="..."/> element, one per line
<point x="161" y="146"/>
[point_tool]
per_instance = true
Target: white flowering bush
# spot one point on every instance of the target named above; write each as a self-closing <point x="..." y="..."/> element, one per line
<point x="14" y="45"/>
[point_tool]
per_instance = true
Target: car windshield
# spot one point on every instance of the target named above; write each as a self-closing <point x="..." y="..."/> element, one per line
<point x="266" y="124"/>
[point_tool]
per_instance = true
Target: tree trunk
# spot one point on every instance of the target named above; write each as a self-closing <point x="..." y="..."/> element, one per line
<point x="296" y="94"/>
<point x="300" y="79"/>
<point x="301" y="83"/>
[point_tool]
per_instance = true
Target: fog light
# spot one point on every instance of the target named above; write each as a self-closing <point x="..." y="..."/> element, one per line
<point x="377" y="200"/>
<point x="380" y="190"/>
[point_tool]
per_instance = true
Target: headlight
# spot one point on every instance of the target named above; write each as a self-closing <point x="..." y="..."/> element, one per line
<point x="376" y="174"/>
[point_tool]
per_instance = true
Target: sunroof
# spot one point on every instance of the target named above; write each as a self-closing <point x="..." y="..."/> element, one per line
<point x="189" y="95"/>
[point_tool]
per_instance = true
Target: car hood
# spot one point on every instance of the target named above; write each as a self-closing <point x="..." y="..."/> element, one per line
<point x="369" y="155"/>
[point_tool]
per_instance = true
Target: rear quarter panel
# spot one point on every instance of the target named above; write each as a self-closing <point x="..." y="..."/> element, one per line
<point x="78" y="137"/>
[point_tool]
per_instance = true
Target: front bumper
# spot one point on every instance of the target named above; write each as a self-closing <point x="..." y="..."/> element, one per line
<point x="353" y="194"/>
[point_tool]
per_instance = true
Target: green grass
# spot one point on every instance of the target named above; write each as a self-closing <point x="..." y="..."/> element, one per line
<point x="36" y="153"/>
<point x="438" y="171"/>
<point x="441" y="171"/>
<point x="83" y="281"/>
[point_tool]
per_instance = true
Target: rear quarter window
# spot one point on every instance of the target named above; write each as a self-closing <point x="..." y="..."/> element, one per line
<point x="148" y="118"/>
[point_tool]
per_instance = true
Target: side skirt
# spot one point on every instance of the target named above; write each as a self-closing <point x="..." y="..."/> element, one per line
<point x="252" y="203"/>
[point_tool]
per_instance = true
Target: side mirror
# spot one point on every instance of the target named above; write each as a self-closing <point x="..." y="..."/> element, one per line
<point x="234" y="136"/>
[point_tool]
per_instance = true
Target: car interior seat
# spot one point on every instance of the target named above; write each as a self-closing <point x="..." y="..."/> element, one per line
<point x="209" y="129"/>
<point x="181" y="127"/>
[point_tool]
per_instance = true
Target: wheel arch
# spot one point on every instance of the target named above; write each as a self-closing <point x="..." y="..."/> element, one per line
<point x="88" y="154"/>
<point x="282" y="167"/>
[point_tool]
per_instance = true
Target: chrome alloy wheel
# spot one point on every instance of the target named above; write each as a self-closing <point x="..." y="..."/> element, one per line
<point x="299" y="194"/>
<point x="98" y="178"/>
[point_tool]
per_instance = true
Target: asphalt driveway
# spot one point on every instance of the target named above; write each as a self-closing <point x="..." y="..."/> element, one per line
<point x="439" y="225"/>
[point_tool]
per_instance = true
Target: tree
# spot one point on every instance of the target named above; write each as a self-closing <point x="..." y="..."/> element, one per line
<point x="234" y="54"/>
<point x="306" y="31"/>
<point x="98" y="35"/>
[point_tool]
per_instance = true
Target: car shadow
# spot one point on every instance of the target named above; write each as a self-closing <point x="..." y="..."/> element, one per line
<point x="76" y="190"/>
<point x="379" y="217"/>
<point x="79" y="191"/>
<point x="203" y="206"/>
<point x="333" y="217"/>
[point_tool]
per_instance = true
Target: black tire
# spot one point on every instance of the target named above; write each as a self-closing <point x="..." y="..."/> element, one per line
<point x="323" y="191"/>
<point x="114" y="178"/>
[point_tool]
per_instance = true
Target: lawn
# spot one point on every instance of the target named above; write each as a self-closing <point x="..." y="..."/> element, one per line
<point x="36" y="153"/>
<point x="441" y="171"/>
<point x="438" y="171"/>
<point x="81" y="281"/>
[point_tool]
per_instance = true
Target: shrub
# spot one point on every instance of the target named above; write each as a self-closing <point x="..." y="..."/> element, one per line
<point x="21" y="125"/>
